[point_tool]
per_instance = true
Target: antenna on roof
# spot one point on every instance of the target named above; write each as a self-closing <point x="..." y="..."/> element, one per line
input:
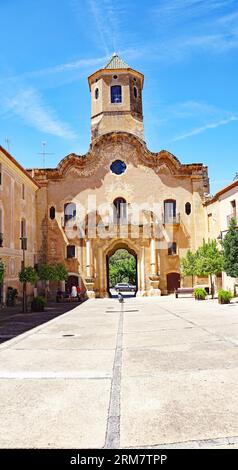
<point x="7" y="142"/>
<point x="44" y="153"/>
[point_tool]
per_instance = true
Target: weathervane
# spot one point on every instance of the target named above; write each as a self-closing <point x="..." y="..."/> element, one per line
<point x="44" y="153"/>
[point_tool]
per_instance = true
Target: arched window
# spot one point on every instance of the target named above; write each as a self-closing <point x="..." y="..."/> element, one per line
<point x="188" y="208"/>
<point x="169" y="210"/>
<point x="135" y="92"/>
<point x="52" y="213"/>
<point x="116" y="94"/>
<point x="69" y="212"/>
<point x="119" y="210"/>
<point x="96" y="93"/>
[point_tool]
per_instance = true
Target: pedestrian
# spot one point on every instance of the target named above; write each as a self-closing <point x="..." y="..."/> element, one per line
<point x="78" y="292"/>
<point x="120" y="297"/>
<point x="74" y="292"/>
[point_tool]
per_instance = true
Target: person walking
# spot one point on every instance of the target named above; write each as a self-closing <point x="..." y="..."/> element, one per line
<point x="78" y="292"/>
<point x="120" y="297"/>
<point x="74" y="292"/>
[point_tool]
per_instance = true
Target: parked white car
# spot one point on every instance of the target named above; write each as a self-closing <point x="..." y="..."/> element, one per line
<point x="123" y="286"/>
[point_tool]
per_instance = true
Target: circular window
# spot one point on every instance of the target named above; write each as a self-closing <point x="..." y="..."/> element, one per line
<point x="118" y="167"/>
<point x="115" y="77"/>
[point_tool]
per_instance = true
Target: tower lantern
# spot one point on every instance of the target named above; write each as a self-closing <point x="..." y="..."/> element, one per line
<point x="116" y="99"/>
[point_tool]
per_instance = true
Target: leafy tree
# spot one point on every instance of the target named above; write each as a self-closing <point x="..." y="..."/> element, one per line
<point x="230" y="247"/>
<point x="46" y="272"/>
<point x="122" y="267"/>
<point x="61" y="273"/>
<point x="188" y="265"/>
<point x="27" y="274"/>
<point x="50" y="272"/>
<point x="209" y="261"/>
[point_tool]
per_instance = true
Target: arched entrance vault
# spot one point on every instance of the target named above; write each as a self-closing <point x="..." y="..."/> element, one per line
<point x="121" y="267"/>
<point x="108" y="251"/>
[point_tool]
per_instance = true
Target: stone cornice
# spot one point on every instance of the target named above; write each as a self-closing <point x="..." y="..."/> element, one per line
<point x="88" y="163"/>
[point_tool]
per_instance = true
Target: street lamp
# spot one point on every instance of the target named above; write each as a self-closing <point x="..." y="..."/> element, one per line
<point x="24" y="248"/>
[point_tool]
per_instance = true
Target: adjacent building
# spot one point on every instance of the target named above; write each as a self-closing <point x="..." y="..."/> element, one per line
<point x="17" y="219"/>
<point x="220" y="209"/>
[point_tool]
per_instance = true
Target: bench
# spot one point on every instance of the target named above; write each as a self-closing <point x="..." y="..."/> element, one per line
<point x="183" y="290"/>
<point x="65" y="297"/>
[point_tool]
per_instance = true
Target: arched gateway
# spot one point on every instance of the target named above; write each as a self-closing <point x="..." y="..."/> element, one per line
<point x="153" y="202"/>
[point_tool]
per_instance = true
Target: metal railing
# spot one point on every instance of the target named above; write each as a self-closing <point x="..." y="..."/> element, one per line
<point x="171" y="219"/>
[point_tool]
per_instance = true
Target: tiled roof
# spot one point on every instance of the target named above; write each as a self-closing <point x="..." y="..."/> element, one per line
<point x="116" y="63"/>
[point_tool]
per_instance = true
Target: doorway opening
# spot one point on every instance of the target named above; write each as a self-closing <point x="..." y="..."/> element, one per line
<point x="122" y="272"/>
<point x="173" y="282"/>
<point x="71" y="281"/>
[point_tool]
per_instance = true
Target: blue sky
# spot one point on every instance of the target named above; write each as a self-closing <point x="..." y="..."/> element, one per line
<point x="187" y="50"/>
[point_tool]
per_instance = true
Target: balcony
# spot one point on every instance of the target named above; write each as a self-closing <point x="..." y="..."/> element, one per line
<point x="171" y="219"/>
<point x="232" y="216"/>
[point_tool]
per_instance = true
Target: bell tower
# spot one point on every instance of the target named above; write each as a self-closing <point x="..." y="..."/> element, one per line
<point x="116" y="99"/>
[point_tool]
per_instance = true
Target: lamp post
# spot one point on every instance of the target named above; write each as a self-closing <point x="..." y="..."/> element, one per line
<point x="24" y="248"/>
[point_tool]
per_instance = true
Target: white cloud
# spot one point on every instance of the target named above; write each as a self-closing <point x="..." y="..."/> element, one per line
<point x="199" y="130"/>
<point x="29" y="105"/>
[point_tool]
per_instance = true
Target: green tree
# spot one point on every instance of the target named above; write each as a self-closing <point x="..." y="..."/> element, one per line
<point x="209" y="261"/>
<point x="27" y="274"/>
<point x="60" y="272"/>
<point x="230" y="247"/>
<point x="50" y="272"/>
<point x="46" y="273"/>
<point x="188" y="265"/>
<point x="122" y="267"/>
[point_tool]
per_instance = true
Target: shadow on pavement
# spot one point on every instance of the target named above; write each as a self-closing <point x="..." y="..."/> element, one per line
<point x="14" y="323"/>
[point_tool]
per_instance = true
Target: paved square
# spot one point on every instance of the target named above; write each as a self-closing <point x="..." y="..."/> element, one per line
<point x="162" y="372"/>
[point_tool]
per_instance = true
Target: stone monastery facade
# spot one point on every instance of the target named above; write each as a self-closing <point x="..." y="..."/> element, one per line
<point x="118" y="195"/>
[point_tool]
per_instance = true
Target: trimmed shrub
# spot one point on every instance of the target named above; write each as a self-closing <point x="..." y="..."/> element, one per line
<point x="224" y="296"/>
<point x="200" y="293"/>
<point x="38" y="304"/>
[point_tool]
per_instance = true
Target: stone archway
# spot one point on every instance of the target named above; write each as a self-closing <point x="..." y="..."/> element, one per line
<point x="124" y="279"/>
<point x="117" y="245"/>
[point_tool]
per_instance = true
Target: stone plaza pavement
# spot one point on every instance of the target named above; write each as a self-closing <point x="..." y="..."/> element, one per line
<point x="159" y="373"/>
